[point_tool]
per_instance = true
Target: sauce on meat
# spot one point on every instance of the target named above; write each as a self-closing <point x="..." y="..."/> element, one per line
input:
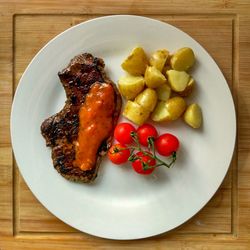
<point x="96" y="124"/>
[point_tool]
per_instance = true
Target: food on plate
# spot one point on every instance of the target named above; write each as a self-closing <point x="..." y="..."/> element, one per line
<point x="81" y="133"/>
<point x="178" y="80"/>
<point x="130" y="86"/>
<point x="147" y="99"/>
<point x="158" y="91"/>
<point x="183" y="59"/>
<point x="118" y="154"/>
<point x="167" y="144"/>
<point x="169" y="110"/>
<point x="146" y="131"/>
<point x="160" y="114"/>
<point x="143" y="160"/>
<point x="175" y="107"/>
<point x="154" y="78"/>
<point x="136" y="62"/>
<point x="193" y="115"/>
<point x="135" y="112"/>
<point x="189" y="89"/>
<point x="158" y="59"/>
<point x="123" y="132"/>
<point x="163" y="92"/>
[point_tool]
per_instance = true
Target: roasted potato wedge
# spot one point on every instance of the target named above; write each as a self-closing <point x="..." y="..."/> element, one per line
<point x="135" y="113"/>
<point x="147" y="99"/>
<point x="170" y="110"/>
<point x="160" y="112"/>
<point x="178" y="80"/>
<point x="183" y="59"/>
<point x="163" y="92"/>
<point x="175" y="106"/>
<point x="193" y="115"/>
<point x="130" y="86"/>
<point x="154" y="78"/>
<point x="136" y="62"/>
<point x="189" y="89"/>
<point x="159" y="58"/>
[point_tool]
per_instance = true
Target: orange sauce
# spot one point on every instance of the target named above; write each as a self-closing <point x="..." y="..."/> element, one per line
<point x="96" y="124"/>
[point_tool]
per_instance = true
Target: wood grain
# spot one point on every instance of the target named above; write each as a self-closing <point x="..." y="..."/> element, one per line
<point x="244" y="129"/>
<point x="221" y="26"/>
<point x="5" y="196"/>
<point x="6" y="204"/>
<point x="144" y="7"/>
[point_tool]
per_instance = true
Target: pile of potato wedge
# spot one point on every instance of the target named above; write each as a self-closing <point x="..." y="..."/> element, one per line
<point x="156" y="87"/>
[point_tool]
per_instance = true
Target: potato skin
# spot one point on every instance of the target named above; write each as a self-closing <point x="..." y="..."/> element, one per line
<point x="135" y="113"/>
<point x="159" y="58"/>
<point x="178" y="80"/>
<point x="154" y="78"/>
<point x="175" y="106"/>
<point x="189" y="89"/>
<point x="136" y="62"/>
<point x="147" y="99"/>
<point x="163" y="92"/>
<point x="193" y="115"/>
<point x="130" y="86"/>
<point x="160" y="113"/>
<point x="183" y="59"/>
<point x="169" y="110"/>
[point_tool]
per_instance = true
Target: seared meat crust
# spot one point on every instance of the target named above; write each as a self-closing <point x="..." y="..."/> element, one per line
<point x="61" y="130"/>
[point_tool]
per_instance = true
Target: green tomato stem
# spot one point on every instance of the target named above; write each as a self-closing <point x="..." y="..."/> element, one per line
<point x="151" y="148"/>
<point x="136" y="140"/>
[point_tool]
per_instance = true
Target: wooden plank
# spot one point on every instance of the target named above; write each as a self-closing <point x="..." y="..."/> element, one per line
<point x="5" y="78"/>
<point x="244" y="90"/>
<point x="244" y="214"/>
<point x="244" y="129"/>
<point x="142" y="7"/>
<point x="244" y="170"/>
<point x="5" y="105"/>
<point x="5" y="191"/>
<point x="102" y="244"/>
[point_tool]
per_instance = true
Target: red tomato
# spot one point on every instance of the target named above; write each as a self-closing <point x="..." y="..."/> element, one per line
<point x="166" y="144"/>
<point x="139" y="163"/>
<point x="144" y="132"/>
<point x="118" y="154"/>
<point x="123" y="131"/>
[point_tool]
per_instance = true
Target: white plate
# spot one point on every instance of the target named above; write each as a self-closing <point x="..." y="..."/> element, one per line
<point x="121" y="204"/>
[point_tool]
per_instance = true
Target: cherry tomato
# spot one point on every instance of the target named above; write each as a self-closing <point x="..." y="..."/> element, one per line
<point x="144" y="132"/>
<point x="118" y="154"/>
<point x="123" y="131"/>
<point x="166" y="144"/>
<point x="138" y="164"/>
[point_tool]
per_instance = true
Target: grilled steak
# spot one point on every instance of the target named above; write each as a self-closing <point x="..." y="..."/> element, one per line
<point x="62" y="130"/>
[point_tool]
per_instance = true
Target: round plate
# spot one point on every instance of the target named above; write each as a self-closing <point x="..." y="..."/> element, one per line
<point x="121" y="204"/>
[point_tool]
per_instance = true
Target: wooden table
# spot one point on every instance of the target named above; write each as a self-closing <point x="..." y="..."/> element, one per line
<point x="222" y="27"/>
